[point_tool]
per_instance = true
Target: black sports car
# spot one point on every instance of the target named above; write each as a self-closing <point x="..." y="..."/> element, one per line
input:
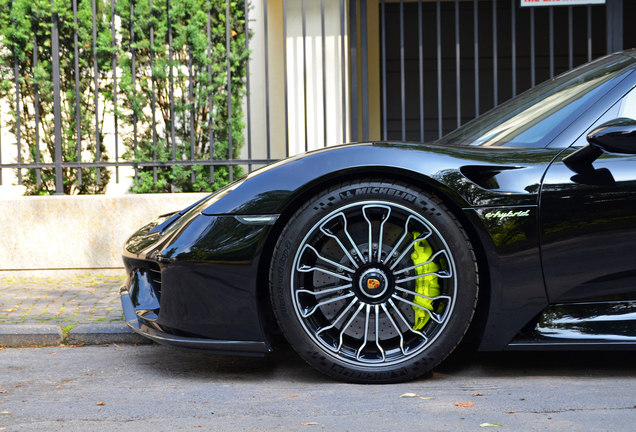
<point x="376" y="259"/>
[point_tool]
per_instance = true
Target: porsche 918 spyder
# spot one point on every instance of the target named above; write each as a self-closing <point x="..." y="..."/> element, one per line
<point x="375" y="259"/>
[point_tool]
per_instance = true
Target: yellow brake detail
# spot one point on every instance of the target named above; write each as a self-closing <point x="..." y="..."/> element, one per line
<point x="427" y="285"/>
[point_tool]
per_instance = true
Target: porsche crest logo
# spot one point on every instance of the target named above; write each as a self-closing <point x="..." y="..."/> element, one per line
<point x="373" y="284"/>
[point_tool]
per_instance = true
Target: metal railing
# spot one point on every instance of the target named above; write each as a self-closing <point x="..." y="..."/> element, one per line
<point x="462" y="58"/>
<point x="316" y="82"/>
<point x="128" y="49"/>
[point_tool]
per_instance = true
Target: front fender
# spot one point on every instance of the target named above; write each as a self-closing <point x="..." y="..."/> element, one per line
<point x="271" y="189"/>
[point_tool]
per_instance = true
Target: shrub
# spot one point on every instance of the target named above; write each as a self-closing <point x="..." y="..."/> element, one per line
<point x="198" y="86"/>
<point x="25" y="25"/>
<point x="194" y="75"/>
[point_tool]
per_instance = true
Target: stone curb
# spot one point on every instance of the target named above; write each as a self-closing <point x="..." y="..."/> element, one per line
<point x="99" y="334"/>
<point x="24" y="335"/>
<point x="17" y="335"/>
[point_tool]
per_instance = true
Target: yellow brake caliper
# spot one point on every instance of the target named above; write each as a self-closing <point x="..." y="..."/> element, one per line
<point x="427" y="285"/>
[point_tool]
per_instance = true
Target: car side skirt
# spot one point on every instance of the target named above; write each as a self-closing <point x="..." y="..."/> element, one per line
<point x="586" y="325"/>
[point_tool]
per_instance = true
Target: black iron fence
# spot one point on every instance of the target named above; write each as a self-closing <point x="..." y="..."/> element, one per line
<point x="196" y="88"/>
<point x="446" y="62"/>
<point x="169" y="78"/>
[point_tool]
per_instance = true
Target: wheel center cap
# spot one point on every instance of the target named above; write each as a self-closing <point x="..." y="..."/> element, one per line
<point x="373" y="283"/>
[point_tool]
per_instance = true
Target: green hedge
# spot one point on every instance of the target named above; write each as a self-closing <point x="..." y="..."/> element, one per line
<point x="199" y="69"/>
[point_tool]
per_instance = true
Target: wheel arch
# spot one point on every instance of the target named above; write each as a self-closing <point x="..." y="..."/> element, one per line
<point x="444" y="194"/>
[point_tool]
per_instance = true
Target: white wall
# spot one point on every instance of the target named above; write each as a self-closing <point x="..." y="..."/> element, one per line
<point x="295" y="81"/>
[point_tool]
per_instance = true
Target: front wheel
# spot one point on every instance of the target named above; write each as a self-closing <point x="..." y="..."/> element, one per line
<point x="373" y="282"/>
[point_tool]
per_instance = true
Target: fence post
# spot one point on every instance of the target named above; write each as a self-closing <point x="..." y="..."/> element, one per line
<point x="353" y="61"/>
<point x="614" y="26"/>
<point x="228" y="52"/>
<point x="16" y="76"/>
<point x="57" y="115"/>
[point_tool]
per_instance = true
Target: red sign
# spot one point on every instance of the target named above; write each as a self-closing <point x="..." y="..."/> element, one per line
<point x="530" y="3"/>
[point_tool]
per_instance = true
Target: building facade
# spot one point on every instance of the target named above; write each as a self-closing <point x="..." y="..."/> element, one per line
<point x="415" y="70"/>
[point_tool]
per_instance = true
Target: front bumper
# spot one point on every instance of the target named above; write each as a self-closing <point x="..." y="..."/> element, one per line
<point x="144" y="328"/>
<point x="195" y="287"/>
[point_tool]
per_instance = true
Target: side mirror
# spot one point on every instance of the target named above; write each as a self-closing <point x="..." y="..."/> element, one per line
<point x="615" y="136"/>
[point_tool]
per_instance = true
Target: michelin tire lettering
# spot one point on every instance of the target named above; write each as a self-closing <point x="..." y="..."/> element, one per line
<point x="380" y="191"/>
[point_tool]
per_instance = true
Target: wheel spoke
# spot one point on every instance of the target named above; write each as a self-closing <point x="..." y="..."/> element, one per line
<point x="422" y="236"/>
<point x="343" y="313"/>
<point x="367" y="312"/>
<point x="307" y="269"/>
<point x="377" y="331"/>
<point x="444" y="274"/>
<point x="384" y="219"/>
<point x="329" y="234"/>
<point x="324" y="302"/>
<point x="370" y="250"/>
<point x="333" y="263"/>
<point x="440" y="297"/>
<point x="408" y="326"/>
<point x="359" y="352"/>
<point x="348" y="324"/>
<point x="433" y="258"/>
<point x="434" y="316"/>
<point x="327" y="291"/>
<point x="397" y="329"/>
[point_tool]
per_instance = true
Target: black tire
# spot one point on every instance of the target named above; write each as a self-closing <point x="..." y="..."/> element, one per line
<point x="381" y="319"/>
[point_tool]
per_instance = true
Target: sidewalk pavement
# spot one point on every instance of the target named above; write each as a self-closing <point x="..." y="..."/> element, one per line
<point x="69" y="310"/>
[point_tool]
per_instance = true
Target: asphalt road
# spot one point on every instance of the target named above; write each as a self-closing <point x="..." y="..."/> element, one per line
<point x="128" y="388"/>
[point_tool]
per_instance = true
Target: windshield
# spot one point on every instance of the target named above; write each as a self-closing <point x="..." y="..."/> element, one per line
<point x="536" y="117"/>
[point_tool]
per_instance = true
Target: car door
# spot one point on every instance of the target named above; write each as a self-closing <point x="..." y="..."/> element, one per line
<point x="588" y="223"/>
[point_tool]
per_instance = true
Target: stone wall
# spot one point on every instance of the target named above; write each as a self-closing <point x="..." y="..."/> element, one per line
<point x="76" y="233"/>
